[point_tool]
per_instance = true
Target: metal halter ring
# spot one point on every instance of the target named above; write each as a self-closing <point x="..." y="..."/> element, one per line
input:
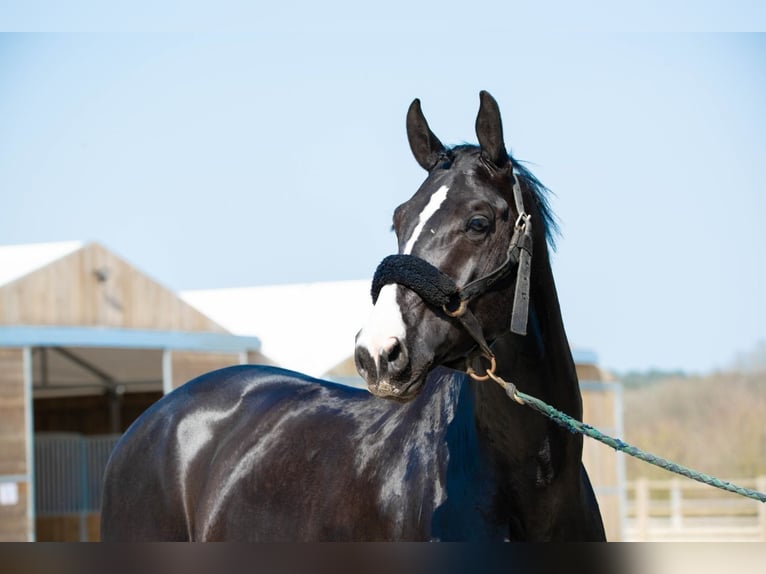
<point x="487" y="374"/>
<point x="457" y="312"/>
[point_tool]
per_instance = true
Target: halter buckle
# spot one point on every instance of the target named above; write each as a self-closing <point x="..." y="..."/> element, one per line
<point x="522" y="220"/>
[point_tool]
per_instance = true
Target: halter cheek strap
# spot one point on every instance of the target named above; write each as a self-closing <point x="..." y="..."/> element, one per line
<point x="439" y="290"/>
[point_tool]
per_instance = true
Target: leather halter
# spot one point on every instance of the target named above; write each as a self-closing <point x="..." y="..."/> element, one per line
<point x="439" y="290"/>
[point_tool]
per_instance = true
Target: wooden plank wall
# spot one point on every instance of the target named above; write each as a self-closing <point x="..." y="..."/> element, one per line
<point x="69" y="528"/>
<point x="93" y="287"/>
<point x="186" y="365"/>
<point x="258" y="358"/>
<point x="13" y="455"/>
<point x="14" y="521"/>
<point x="600" y="461"/>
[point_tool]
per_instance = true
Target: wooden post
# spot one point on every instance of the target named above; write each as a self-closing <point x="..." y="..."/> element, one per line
<point x="642" y="509"/>
<point x="602" y="407"/>
<point x="676" y="514"/>
<point x="760" y="485"/>
<point x="16" y="460"/>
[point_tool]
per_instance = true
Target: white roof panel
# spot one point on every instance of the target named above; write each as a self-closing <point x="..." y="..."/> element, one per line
<point x="307" y="327"/>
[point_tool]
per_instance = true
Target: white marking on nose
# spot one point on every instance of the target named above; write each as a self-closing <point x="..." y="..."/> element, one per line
<point x="432" y="207"/>
<point x="384" y="324"/>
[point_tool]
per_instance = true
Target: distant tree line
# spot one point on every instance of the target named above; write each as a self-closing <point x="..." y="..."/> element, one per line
<point x="631" y="379"/>
<point x="712" y="423"/>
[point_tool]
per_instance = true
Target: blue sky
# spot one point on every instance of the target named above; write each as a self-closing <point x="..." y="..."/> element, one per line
<point x="278" y="155"/>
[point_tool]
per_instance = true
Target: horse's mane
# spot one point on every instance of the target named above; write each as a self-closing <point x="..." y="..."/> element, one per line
<point x="541" y="195"/>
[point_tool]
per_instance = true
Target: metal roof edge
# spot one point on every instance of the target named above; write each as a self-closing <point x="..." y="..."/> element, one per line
<point x="63" y="336"/>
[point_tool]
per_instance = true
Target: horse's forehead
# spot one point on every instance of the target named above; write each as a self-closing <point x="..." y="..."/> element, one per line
<point x="464" y="186"/>
<point x="462" y="182"/>
<point x="466" y="180"/>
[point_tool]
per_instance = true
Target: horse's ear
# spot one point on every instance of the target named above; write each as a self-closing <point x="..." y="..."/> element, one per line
<point x="425" y="146"/>
<point x="489" y="130"/>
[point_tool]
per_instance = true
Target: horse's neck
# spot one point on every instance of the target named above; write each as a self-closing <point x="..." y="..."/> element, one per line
<point x="539" y="364"/>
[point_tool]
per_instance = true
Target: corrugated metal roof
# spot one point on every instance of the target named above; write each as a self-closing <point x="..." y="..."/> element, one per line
<point x="16" y="261"/>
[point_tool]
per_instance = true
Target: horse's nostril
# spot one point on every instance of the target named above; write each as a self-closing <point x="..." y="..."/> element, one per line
<point x="392" y="350"/>
<point x="364" y="363"/>
<point x="393" y="357"/>
<point x="387" y="360"/>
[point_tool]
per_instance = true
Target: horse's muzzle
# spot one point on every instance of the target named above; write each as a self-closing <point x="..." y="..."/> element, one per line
<point x="385" y="368"/>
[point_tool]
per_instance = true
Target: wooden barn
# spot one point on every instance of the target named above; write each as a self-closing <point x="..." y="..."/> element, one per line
<point x="87" y="342"/>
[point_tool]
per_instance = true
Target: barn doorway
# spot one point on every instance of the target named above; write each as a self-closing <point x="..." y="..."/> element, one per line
<point x="84" y="398"/>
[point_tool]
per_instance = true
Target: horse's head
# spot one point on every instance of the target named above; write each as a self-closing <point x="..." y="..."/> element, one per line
<point x="461" y="221"/>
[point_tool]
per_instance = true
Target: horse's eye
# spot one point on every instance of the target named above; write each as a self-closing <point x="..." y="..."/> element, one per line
<point x="478" y="224"/>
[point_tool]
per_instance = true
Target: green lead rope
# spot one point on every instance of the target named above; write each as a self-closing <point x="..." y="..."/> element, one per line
<point x="575" y="426"/>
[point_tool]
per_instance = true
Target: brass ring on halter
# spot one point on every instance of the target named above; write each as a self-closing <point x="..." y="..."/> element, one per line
<point x="457" y="312"/>
<point x="487" y="374"/>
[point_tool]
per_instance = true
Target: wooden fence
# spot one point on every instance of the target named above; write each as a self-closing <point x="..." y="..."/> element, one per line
<point x="684" y="510"/>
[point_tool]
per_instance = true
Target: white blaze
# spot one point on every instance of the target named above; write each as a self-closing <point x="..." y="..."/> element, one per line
<point x="433" y="206"/>
<point x="386" y="321"/>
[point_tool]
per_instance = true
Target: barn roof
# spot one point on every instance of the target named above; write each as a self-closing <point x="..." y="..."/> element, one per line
<point x="16" y="261"/>
<point x="307" y="327"/>
<point x="77" y="293"/>
<point x="104" y="322"/>
<point x="77" y="283"/>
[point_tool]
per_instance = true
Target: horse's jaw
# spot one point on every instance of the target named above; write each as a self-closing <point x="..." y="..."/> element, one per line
<point x="402" y="394"/>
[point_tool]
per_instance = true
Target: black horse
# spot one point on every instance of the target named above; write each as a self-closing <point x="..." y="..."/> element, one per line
<point x="260" y="453"/>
